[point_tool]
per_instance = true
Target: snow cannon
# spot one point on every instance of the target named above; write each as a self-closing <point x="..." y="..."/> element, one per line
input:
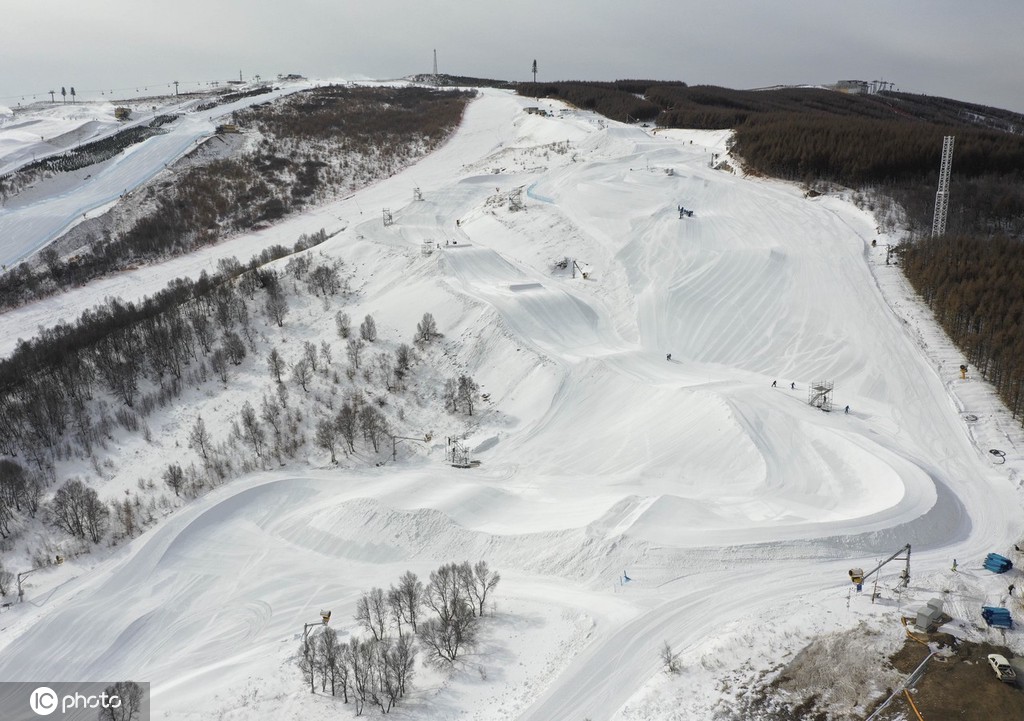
<point x="997" y="564"/>
<point x="997" y="617"/>
<point x="326" y="616"/>
<point x="857" y="577"/>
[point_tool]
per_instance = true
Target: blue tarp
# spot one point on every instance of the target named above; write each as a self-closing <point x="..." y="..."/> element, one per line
<point x="997" y="617"/>
<point x="997" y="564"/>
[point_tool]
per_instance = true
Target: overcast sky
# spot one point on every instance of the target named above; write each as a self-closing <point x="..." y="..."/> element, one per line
<point x="968" y="50"/>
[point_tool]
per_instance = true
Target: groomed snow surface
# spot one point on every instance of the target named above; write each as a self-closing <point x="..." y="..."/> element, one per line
<point x="734" y="507"/>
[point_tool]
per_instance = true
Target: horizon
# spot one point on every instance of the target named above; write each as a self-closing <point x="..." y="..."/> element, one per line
<point x="930" y="49"/>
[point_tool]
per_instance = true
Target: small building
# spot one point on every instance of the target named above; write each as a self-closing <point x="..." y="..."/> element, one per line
<point x="929" y="616"/>
<point x="854" y="87"/>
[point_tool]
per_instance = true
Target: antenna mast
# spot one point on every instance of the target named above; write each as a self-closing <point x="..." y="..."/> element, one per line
<point x="435" y="68"/>
<point x="942" y="195"/>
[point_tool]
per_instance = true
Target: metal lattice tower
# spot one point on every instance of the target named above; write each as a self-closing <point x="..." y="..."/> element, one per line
<point x="942" y="195"/>
<point x="819" y="395"/>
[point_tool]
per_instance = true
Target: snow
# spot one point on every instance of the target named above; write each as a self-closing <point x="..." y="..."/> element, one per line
<point x="735" y="508"/>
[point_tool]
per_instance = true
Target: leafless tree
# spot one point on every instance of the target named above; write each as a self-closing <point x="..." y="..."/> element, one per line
<point x="310" y="354"/>
<point x="426" y="329"/>
<point x="368" y="329"/>
<point x="174" y="477"/>
<point x="343" y="324"/>
<point x="410" y="590"/>
<point x="199" y="439"/>
<point x="277" y="306"/>
<point x="372" y="613"/>
<point x="77" y="509"/>
<point x="354" y="349"/>
<point x="131" y="697"/>
<point x="252" y="432"/>
<point x="327" y="437"/>
<point x="276" y="364"/>
<point x="478" y="581"/>
<point x="455" y="626"/>
<point x="301" y="373"/>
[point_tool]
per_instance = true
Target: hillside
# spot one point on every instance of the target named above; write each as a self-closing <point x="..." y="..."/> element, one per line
<point x="629" y="500"/>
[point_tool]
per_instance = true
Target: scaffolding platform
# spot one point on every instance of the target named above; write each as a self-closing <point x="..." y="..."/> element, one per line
<point x="819" y="395"/>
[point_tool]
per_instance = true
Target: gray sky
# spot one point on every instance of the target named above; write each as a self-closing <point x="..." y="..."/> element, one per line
<point x="965" y="50"/>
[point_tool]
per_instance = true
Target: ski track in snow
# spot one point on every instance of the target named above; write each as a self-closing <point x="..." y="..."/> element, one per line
<point x="721" y="496"/>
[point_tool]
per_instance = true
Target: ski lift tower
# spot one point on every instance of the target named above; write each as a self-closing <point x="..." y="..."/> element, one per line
<point x="819" y="395"/>
<point x="515" y="200"/>
<point x="458" y="454"/>
<point x="942" y="195"/>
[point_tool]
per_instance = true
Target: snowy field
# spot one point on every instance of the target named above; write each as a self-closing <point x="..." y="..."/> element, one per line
<point x="734" y="507"/>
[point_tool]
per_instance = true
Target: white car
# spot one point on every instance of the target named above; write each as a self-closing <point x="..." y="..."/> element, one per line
<point x="999" y="664"/>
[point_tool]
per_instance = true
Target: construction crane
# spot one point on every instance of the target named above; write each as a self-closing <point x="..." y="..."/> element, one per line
<point x="858" y="576"/>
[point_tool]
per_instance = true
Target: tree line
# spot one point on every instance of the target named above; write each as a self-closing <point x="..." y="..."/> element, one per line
<point x="442" y="618"/>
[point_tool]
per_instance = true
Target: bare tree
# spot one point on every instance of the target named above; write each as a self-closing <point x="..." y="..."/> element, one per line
<point x="219" y="363"/>
<point x="375" y="426"/>
<point x="130" y="696"/>
<point x="276" y="364"/>
<point x="307" y="660"/>
<point x="426" y="329"/>
<point x="368" y="329"/>
<point x="234" y="347"/>
<point x="77" y="509"/>
<point x="386" y="370"/>
<point x="410" y="588"/>
<point x="450" y="394"/>
<point x="343" y="324"/>
<point x="327" y="437"/>
<point x="331" y="660"/>
<point x="174" y="477"/>
<point x="669" y="659"/>
<point x="325" y="355"/>
<point x="199" y="439"/>
<point x="310" y="354"/>
<point x="372" y="613"/>
<point x="252" y="432"/>
<point x="354" y="349"/>
<point x="276" y="305"/>
<point x="347" y="423"/>
<point x="478" y="581"/>
<point x="467" y="392"/>
<point x="455" y="626"/>
<point x="301" y="373"/>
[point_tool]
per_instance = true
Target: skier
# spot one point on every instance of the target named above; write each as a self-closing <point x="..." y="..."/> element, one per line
<point x="847" y="410"/>
<point x="668" y="356"/>
<point x="792" y="386"/>
<point x="773" y="384"/>
<point x="954" y="565"/>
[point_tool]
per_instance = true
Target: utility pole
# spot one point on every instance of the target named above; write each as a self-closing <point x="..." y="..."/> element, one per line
<point x="435" y="68"/>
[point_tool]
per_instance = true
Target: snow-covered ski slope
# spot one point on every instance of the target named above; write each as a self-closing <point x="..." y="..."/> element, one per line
<point x="29" y="222"/>
<point x="734" y="507"/>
